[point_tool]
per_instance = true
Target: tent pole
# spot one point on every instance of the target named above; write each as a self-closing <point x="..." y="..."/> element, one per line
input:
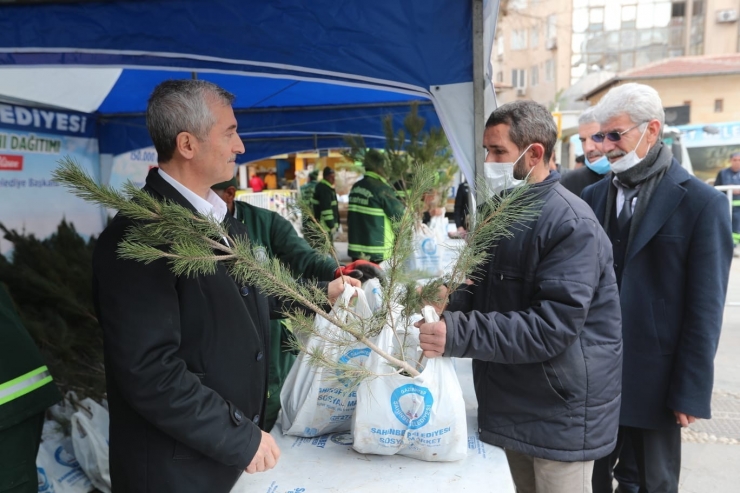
<point x="478" y="96"/>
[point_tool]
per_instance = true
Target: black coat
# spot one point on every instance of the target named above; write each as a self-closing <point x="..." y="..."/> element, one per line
<point x="545" y="335"/>
<point x="673" y="291"/>
<point x="186" y="367"/>
<point x="576" y="180"/>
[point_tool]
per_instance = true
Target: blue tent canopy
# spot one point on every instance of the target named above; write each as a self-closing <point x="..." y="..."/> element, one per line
<point x="304" y="72"/>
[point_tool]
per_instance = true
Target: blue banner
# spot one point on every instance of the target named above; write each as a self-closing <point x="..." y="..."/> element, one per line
<point x="32" y="141"/>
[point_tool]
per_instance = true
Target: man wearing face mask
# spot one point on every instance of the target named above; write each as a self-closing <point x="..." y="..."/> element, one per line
<point x="542" y="323"/>
<point x="596" y="164"/>
<point x="672" y="246"/>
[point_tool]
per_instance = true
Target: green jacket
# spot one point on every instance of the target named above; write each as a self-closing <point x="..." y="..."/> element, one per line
<point x="277" y="236"/>
<point x="307" y="190"/>
<point x="325" y="207"/>
<point x="26" y="386"/>
<point x="372" y="206"/>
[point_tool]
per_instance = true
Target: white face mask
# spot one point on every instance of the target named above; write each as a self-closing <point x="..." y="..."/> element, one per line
<point x="630" y="159"/>
<point x="500" y="176"/>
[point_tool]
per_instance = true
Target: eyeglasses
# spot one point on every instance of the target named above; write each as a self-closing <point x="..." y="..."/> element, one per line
<point x="612" y="136"/>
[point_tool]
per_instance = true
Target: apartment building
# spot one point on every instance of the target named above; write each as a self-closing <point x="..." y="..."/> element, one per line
<point x="543" y="47"/>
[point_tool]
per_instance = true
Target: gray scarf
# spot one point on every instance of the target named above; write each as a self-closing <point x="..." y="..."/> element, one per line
<point x="646" y="173"/>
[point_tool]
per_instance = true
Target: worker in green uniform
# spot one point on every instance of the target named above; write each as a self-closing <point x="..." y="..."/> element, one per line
<point x="26" y="390"/>
<point x="306" y="197"/>
<point x="373" y="205"/>
<point x="270" y="231"/>
<point x="325" y="207"/>
<point x="308" y="188"/>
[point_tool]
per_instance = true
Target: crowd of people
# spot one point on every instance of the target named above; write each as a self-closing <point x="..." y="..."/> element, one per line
<point x="592" y="329"/>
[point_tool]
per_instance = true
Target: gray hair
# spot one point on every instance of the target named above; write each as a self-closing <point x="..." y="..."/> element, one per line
<point x="638" y="101"/>
<point x="177" y="106"/>
<point x="529" y="123"/>
<point x="588" y="116"/>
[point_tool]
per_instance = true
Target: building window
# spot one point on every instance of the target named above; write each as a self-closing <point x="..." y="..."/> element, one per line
<point x="719" y="105"/>
<point x="518" y="78"/>
<point x="500" y="46"/>
<point x="678" y="9"/>
<point x="551" y="31"/>
<point x="534" y="77"/>
<point x="500" y="76"/>
<point x="517" y="4"/>
<point x="534" y="38"/>
<point x="549" y="70"/>
<point x="519" y="39"/>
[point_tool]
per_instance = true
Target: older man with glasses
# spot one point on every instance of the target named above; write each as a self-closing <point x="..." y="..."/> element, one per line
<point x="672" y="245"/>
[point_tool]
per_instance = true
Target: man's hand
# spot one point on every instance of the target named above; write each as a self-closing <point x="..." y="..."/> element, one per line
<point x="360" y="269"/>
<point x="266" y="457"/>
<point x="336" y="287"/>
<point x="439" y="304"/>
<point x="432" y="337"/>
<point x="684" y="419"/>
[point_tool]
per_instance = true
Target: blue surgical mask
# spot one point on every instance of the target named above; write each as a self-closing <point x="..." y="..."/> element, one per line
<point x="600" y="166"/>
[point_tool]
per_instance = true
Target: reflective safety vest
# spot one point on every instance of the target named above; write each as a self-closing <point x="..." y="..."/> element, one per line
<point x="373" y="206"/>
<point x="24" y="384"/>
<point x="26" y="387"/>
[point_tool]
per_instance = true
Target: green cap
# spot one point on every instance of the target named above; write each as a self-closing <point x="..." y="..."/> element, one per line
<point x="226" y="184"/>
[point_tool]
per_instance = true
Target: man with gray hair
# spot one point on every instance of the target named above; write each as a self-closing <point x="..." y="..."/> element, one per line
<point x="542" y="322"/>
<point x="596" y="165"/>
<point x="186" y="356"/>
<point x="672" y="251"/>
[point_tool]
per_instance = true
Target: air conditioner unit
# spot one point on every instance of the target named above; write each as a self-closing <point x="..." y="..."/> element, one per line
<point x="726" y="16"/>
<point x="521" y="91"/>
<point x="551" y="44"/>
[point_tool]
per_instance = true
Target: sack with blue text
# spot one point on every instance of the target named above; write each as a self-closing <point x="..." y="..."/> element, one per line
<point x="314" y="399"/>
<point x="426" y="259"/>
<point x="421" y="417"/>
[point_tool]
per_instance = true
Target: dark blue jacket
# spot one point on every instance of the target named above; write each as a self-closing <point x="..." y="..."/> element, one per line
<point x="545" y="335"/>
<point x="672" y="294"/>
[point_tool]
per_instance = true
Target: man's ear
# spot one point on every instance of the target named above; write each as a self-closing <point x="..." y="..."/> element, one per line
<point x="653" y="131"/>
<point x="230" y="193"/>
<point x="186" y="144"/>
<point x="537" y="154"/>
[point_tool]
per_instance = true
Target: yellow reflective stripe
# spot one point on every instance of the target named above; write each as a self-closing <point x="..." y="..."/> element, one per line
<point x="388" y="238"/>
<point x="735" y="203"/>
<point x="366" y="248"/>
<point x="372" y="211"/>
<point x="24" y="384"/>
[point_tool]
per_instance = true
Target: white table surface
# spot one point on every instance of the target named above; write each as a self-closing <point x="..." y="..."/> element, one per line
<point x="329" y="464"/>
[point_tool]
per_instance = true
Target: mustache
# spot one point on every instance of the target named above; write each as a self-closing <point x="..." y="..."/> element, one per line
<point x="594" y="155"/>
<point x="615" y="153"/>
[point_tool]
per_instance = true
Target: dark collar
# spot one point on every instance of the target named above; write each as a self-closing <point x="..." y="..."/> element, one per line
<point x="155" y="183"/>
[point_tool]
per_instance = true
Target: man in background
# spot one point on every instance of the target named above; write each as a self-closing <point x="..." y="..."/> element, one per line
<point x="256" y="183"/>
<point x="596" y="164"/>
<point x="373" y="205"/>
<point x="325" y="206"/>
<point x="731" y="176"/>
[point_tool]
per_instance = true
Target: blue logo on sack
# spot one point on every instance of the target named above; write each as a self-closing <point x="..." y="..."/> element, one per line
<point x="45" y="485"/>
<point x="429" y="246"/>
<point x="405" y="402"/>
<point x="346" y="357"/>
<point x="65" y="458"/>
